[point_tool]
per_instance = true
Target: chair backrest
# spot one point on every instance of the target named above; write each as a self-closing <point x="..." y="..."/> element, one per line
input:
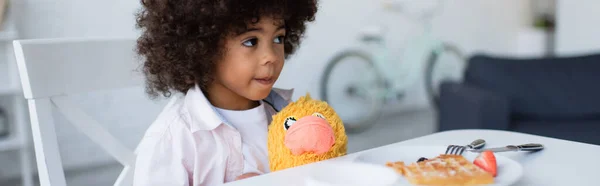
<point x="50" y="69"/>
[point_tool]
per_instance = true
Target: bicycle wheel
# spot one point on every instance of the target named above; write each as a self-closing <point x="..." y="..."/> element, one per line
<point x="353" y="86"/>
<point x="445" y="64"/>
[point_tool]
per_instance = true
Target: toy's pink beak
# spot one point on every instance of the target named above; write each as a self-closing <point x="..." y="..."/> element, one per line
<point x="309" y="134"/>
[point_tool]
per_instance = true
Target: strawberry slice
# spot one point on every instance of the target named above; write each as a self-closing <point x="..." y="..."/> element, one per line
<point x="487" y="161"/>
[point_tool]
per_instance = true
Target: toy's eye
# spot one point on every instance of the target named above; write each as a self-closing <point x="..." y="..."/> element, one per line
<point x="318" y="115"/>
<point x="289" y="122"/>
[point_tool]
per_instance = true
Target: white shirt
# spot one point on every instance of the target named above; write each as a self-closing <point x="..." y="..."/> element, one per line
<point x="252" y="125"/>
<point x="189" y="143"/>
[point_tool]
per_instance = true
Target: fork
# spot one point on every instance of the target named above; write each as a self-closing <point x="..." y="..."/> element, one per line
<point x="459" y="149"/>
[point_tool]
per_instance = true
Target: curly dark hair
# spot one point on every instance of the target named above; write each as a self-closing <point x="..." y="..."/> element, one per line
<point x="183" y="39"/>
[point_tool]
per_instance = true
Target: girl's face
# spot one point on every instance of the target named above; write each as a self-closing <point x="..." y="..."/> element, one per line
<point x="252" y="60"/>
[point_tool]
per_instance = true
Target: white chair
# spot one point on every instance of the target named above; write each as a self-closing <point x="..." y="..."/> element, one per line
<point x="51" y="69"/>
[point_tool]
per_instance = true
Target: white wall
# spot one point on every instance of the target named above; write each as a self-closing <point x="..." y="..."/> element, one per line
<point x="578" y="27"/>
<point x="485" y="26"/>
<point x="75" y="18"/>
<point x="473" y="25"/>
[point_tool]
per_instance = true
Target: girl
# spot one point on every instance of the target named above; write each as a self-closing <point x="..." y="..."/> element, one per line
<point x="218" y="59"/>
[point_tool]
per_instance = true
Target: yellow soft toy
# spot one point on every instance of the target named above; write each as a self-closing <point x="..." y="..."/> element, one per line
<point x="303" y="132"/>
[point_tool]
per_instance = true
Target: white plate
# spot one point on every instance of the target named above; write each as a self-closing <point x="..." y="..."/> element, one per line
<point x="509" y="171"/>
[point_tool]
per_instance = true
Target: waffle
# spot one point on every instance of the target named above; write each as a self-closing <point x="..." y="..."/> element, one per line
<point x="443" y="170"/>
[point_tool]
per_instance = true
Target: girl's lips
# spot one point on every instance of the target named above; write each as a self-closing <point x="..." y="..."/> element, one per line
<point x="264" y="81"/>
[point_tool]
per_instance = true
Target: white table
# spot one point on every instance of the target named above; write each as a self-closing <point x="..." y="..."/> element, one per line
<point x="561" y="163"/>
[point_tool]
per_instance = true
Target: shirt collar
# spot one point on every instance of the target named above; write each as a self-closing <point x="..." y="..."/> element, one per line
<point x="204" y="115"/>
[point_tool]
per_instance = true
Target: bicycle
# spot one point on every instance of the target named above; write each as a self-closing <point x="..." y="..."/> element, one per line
<point x="381" y="82"/>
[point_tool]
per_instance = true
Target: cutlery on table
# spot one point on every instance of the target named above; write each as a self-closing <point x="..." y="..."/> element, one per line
<point x="459" y="149"/>
<point x="530" y="147"/>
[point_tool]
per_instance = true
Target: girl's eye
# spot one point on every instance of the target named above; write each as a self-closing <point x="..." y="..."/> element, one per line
<point x="250" y="42"/>
<point x="318" y="115"/>
<point x="289" y="122"/>
<point x="279" y="40"/>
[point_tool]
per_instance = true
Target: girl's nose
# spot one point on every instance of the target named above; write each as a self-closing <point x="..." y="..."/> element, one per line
<point x="269" y="55"/>
<point x="309" y="134"/>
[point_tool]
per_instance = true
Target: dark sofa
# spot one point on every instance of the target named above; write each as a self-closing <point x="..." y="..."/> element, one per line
<point x="554" y="97"/>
